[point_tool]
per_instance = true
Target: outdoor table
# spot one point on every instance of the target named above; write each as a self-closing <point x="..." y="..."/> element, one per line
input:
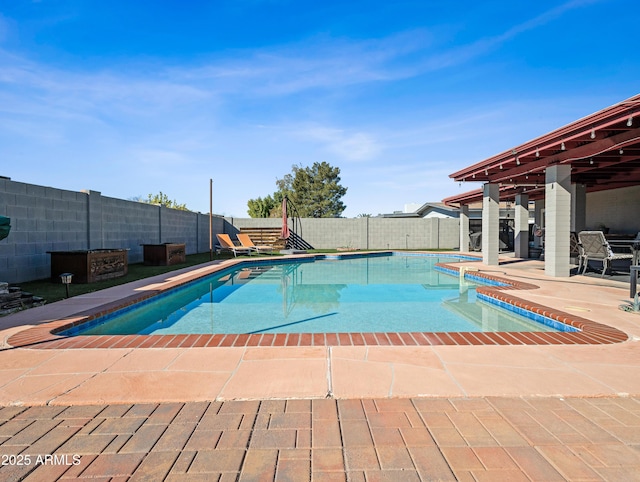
<point x="632" y="244"/>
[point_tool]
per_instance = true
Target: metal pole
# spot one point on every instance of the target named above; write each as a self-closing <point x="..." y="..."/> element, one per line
<point x="210" y="219"/>
<point x="635" y="294"/>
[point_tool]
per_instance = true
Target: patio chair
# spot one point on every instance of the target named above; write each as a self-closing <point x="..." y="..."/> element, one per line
<point x="575" y="249"/>
<point x="595" y="246"/>
<point x="246" y="242"/>
<point x="226" y="244"/>
<point x="475" y="241"/>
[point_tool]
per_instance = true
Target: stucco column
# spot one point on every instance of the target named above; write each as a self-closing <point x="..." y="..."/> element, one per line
<point x="490" y="224"/>
<point x="464" y="228"/>
<point x="578" y="207"/>
<point x="557" y="220"/>
<point x="521" y="234"/>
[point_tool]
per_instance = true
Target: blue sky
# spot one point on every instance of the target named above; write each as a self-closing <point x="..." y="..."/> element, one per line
<point x="135" y="97"/>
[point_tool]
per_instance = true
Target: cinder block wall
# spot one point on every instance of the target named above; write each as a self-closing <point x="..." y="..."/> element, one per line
<point x="47" y="219"/>
<point x="390" y="233"/>
<point x="331" y="233"/>
<point x="181" y="227"/>
<point x="617" y="208"/>
<point x="127" y="224"/>
<point x="449" y="233"/>
<point x="42" y="219"/>
<point x="367" y="233"/>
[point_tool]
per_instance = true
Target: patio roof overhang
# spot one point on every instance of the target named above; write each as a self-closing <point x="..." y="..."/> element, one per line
<point x="603" y="150"/>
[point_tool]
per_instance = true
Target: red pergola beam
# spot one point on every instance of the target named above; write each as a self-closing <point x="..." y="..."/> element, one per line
<point x="608" y="118"/>
<point x="578" y="153"/>
<point x="603" y="150"/>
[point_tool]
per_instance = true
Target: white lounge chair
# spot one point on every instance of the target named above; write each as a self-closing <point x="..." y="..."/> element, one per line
<point x="595" y="246"/>
<point x="226" y="244"/>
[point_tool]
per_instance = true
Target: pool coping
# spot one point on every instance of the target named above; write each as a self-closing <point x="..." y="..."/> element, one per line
<point x="47" y="335"/>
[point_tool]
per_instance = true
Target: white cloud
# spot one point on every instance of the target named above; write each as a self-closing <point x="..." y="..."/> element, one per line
<point x="204" y="114"/>
<point x="545" y="17"/>
<point x="316" y="63"/>
<point x="324" y="62"/>
<point x="350" y="146"/>
<point x="142" y="89"/>
<point x="451" y="57"/>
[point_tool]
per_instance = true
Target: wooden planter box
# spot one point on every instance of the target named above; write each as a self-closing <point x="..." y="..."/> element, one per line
<point x="165" y="254"/>
<point x="89" y="266"/>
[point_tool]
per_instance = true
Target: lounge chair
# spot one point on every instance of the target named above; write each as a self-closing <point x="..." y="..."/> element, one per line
<point x="595" y="246"/>
<point x="226" y="244"/>
<point x="245" y="241"/>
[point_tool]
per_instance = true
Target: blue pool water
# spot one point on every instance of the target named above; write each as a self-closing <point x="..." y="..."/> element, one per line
<point x="363" y="294"/>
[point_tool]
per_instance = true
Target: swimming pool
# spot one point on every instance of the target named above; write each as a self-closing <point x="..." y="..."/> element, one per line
<point x="390" y="293"/>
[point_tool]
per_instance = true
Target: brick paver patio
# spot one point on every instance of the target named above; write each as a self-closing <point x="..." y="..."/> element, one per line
<point x="467" y="439"/>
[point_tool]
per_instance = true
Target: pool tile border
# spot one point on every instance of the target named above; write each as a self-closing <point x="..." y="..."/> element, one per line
<point x="589" y="332"/>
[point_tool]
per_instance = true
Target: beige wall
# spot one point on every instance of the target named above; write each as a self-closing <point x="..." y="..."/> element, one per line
<point x="618" y="209"/>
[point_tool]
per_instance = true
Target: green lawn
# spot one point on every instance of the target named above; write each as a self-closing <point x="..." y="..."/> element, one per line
<point x="51" y="291"/>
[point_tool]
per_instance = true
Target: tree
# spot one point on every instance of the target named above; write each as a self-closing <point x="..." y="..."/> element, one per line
<point x="261" y="207"/>
<point x="315" y="191"/>
<point x="161" y="199"/>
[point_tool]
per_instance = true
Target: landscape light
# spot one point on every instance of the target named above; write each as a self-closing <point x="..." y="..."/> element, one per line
<point x="65" y="278"/>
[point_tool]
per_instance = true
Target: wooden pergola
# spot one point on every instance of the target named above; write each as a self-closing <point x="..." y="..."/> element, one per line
<point x="598" y="152"/>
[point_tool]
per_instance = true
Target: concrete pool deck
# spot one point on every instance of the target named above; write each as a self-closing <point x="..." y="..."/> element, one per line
<point x="441" y="412"/>
<point x="136" y="375"/>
